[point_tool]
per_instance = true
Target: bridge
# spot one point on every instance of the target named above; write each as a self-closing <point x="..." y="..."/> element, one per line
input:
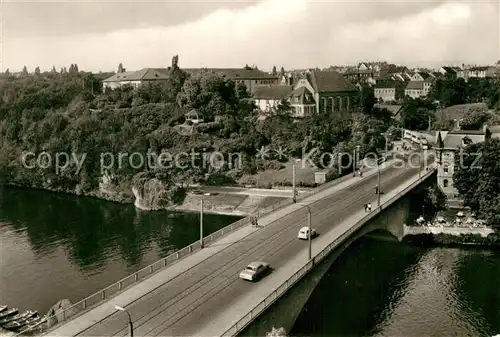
<point x="197" y="291"/>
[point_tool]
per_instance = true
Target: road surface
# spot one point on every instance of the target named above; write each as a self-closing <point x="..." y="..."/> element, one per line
<point x="188" y="302"/>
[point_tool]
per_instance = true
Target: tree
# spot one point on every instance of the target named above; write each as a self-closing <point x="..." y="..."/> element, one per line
<point x="274" y="72"/>
<point x="475" y="119"/>
<point x="282" y="71"/>
<point x="54" y="69"/>
<point x="477" y="177"/>
<point x="75" y="69"/>
<point x="416" y="114"/>
<point x="25" y="71"/>
<point x="7" y="72"/>
<point x="37" y="71"/>
<point x="367" y="99"/>
<point x="120" y="68"/>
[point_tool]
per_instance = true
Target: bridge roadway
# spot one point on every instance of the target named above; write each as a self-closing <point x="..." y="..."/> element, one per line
<point x="192" y="300"/>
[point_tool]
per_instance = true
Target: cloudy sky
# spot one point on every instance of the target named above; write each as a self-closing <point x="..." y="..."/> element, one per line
<point x="293" y="33"/>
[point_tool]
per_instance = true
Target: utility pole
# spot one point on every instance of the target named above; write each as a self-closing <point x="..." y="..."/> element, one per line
<point x="294" y="196"/>
<point x="309" y="216"/>
<point x="379" y="187"/>
<point x="201" y="223"/>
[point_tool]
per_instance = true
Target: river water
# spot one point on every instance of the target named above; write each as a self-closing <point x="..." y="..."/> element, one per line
<point x="56" y="246"/>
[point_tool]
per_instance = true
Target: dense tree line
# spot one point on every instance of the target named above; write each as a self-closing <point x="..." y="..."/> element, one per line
<point x="68" y="112"/>
<point x="450" y="91"/>
<point x="422" y="113"/>
<point x="478" y="179"/>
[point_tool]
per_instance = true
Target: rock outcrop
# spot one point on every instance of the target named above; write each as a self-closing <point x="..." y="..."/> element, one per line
<point x="56" y="315"/>
<point x="152" y="194"/>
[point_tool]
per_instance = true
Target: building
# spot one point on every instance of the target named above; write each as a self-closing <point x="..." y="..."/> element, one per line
<point x="250" y="77"/>
<point x="389" y="90"/>
<point x="302" y="102"/>
<point x="267" y="97"/>
<point x="330" y="90"/>
<point x="419" y="85"/>
<point x="136" y="78"/>
<point x="478" y="72"/>
<point x="448" y="147"/>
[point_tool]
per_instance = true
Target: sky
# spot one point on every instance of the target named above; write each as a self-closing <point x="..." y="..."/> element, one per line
<point x="98" y="35"/>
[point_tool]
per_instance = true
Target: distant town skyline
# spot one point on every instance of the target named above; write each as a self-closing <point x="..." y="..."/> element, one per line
<point x="290" y="33"/>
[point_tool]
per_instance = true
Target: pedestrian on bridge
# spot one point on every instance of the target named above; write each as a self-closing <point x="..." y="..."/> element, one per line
<point x="369" y="207"/>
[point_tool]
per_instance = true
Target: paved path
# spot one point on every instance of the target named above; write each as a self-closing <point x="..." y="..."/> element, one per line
<point x="284" y="193"/>
<point x="198" y="295"/>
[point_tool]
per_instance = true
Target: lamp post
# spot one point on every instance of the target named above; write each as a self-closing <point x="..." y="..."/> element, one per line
<point x="356" y="152"/>
<point x="294" y="188"/>
<point x="201" y="220"/>
<point x="379" y="187"/>
<point x="309" y="219"/>
<point x="129" y="319"/>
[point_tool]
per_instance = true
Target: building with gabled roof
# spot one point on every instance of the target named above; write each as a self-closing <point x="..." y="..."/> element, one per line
<point x="448" y="147"/>
<point x="267" y="97"/>
<point x="250" y="77"/>
<point x="302" y="102"/>
<point x="389" y="90"/>
<point x="331" y="91"/>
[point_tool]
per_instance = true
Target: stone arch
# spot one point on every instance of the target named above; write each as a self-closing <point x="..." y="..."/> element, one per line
<point x="446" y="183"/>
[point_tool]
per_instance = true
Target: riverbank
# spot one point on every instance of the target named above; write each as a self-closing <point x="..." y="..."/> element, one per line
<point x="226" y="203"/>
<point x="433" y="236"/>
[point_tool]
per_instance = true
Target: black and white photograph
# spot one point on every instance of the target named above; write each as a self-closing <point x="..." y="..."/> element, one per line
<point x="255" y="168"/>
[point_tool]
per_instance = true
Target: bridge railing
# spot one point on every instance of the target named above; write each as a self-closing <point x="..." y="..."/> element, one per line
<point x="290" y="282"/>
<point x="112" y="290"/>
<point x="105" y="294"/>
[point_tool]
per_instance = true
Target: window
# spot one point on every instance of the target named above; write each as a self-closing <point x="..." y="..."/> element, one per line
<point x="323" y="100"/>
<point x="446" y="169"/>
<point x="339" y="103"/>
<point x="332" y="102"/>
<point x="445" y="183"/>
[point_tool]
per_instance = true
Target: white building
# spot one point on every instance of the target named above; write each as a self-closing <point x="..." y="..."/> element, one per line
<point x="268" y="97"/>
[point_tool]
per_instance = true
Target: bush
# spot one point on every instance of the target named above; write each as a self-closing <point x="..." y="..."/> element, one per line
<point x="219" y="179"/>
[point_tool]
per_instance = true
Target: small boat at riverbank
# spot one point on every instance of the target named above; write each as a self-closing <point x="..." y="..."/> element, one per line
<point x="8" y="313"/>
<point x="26" y="314"/>
<point x="34" y="325"/>
<point x="28" y="317"/>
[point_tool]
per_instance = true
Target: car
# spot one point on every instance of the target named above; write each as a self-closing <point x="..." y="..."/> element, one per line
<point x="254" y="271"/>
<point x="304" y="231"/>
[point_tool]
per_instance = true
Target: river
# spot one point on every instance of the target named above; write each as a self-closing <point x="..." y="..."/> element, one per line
<point x="55" y="246"/>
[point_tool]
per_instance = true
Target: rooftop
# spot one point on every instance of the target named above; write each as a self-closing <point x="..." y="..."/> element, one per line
<point x="151" y="74"/>
<point x="329" y="81"/>
<point x="415" y="85"/>
<point x="272" y="92"/>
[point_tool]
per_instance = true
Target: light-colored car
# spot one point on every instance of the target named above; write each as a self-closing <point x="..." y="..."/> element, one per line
<point x="254" y="271"/>
<point x="304" y="233"/>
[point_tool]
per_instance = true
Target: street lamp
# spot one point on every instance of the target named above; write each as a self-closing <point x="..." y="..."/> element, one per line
<point x="309" y="216"/>
<point x="201" y="219"/>
<point x="356" y="150"/>
<point x="129" y="319"/>
<point x="294" y="191"/>
<point x="379" y="187"/>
